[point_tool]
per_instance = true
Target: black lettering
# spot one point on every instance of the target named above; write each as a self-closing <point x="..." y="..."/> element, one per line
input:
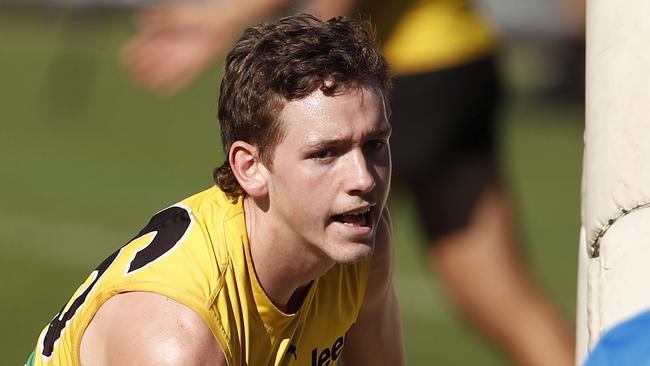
<point x="336" y="348"/>
<point x="324" y="357"/>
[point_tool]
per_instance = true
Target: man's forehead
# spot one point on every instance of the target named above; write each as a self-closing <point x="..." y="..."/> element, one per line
<point x="369" y="96"/>
<point x="362" y="118"/>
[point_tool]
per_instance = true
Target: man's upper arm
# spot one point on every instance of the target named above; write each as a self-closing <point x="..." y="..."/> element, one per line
<point x="376" y="337"/>
<point x="143" y="328"/>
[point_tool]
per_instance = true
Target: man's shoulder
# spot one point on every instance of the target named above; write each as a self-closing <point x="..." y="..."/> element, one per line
<point x="148" y="328"/>
<point x="157" y="286"/>
<point x="214" y="200"/>
<point x="203" y="221"/>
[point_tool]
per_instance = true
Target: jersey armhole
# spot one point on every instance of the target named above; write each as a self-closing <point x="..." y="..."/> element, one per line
<point x="213" y="321"/>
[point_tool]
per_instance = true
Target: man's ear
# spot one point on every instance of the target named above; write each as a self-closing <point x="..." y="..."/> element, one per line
<point x="248" y="169"/>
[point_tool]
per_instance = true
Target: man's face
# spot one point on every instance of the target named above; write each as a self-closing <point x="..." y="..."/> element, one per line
<point x="331" y="172"/>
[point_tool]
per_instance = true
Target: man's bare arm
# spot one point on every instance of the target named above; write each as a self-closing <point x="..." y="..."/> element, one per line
<point x="176" y="42"/>
<point x="376" y="338"/>
<point x="143" y="328"/>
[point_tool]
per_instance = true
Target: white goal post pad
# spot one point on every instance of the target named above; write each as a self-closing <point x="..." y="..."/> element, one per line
<point x="618" y="279"/>
<point x="624" y="269"/>
<point x="616" y="176"/>
<point x="616" y="169"/>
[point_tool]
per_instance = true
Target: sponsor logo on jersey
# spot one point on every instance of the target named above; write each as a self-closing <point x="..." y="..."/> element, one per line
<point x="327" y="355"/>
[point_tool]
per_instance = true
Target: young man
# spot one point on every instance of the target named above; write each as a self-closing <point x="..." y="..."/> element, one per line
<point x="288" y="260"/>
<point x="445" y="102"/>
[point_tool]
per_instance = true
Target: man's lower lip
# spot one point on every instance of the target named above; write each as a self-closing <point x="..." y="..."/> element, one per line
<point x="356" y="229"/>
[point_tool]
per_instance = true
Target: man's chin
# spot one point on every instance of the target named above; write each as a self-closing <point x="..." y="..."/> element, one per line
<point x="355" y="252"/>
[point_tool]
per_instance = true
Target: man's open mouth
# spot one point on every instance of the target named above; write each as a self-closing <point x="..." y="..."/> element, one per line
<point x="358" y="217"/>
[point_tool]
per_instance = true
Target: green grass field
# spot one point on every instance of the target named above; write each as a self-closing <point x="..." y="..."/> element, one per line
<point x="86" y="159"/>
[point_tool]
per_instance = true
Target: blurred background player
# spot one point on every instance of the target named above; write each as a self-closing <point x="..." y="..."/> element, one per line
<point x="445" y="109"/>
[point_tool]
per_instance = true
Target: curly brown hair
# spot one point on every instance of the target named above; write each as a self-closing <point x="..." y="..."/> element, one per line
<point x="273" y="63"/>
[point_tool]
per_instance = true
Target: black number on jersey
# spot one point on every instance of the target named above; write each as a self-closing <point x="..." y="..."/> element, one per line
<point x="170" y="226"/>
<point x="59" y="322"/>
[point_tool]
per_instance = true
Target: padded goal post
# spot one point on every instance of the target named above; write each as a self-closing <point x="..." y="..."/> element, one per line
<point x="614" y="269"/>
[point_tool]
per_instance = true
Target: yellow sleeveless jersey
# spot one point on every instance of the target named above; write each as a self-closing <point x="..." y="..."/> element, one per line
<point x="196" y="252"/>
<point x="426" y="35"/>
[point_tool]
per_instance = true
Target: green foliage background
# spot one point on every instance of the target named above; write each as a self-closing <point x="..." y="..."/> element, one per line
<point x="86" y="158"/>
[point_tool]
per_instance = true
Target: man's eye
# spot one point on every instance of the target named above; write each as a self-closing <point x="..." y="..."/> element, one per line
<point x="374" y="145"/>
<point x="324" y="154"/>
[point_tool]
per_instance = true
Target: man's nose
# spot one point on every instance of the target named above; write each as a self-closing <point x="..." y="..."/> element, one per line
<point x="361" y="178"/>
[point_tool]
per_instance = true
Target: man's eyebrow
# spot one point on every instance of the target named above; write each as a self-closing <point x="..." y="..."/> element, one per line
<point x="319" y="144"/>
<point x="325" y="144"/>
<point x="383" y="131"/>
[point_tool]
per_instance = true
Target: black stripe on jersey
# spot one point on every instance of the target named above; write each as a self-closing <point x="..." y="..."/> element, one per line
<point x="170" y="225"/>
<point x="59" y="322"/>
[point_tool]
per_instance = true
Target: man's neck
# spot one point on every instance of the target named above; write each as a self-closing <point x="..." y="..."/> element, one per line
<point x="285" y="264"/>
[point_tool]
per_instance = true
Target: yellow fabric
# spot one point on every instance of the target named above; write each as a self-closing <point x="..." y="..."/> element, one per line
<point x="426" y="35"/>
<point x="209" y="270"/>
